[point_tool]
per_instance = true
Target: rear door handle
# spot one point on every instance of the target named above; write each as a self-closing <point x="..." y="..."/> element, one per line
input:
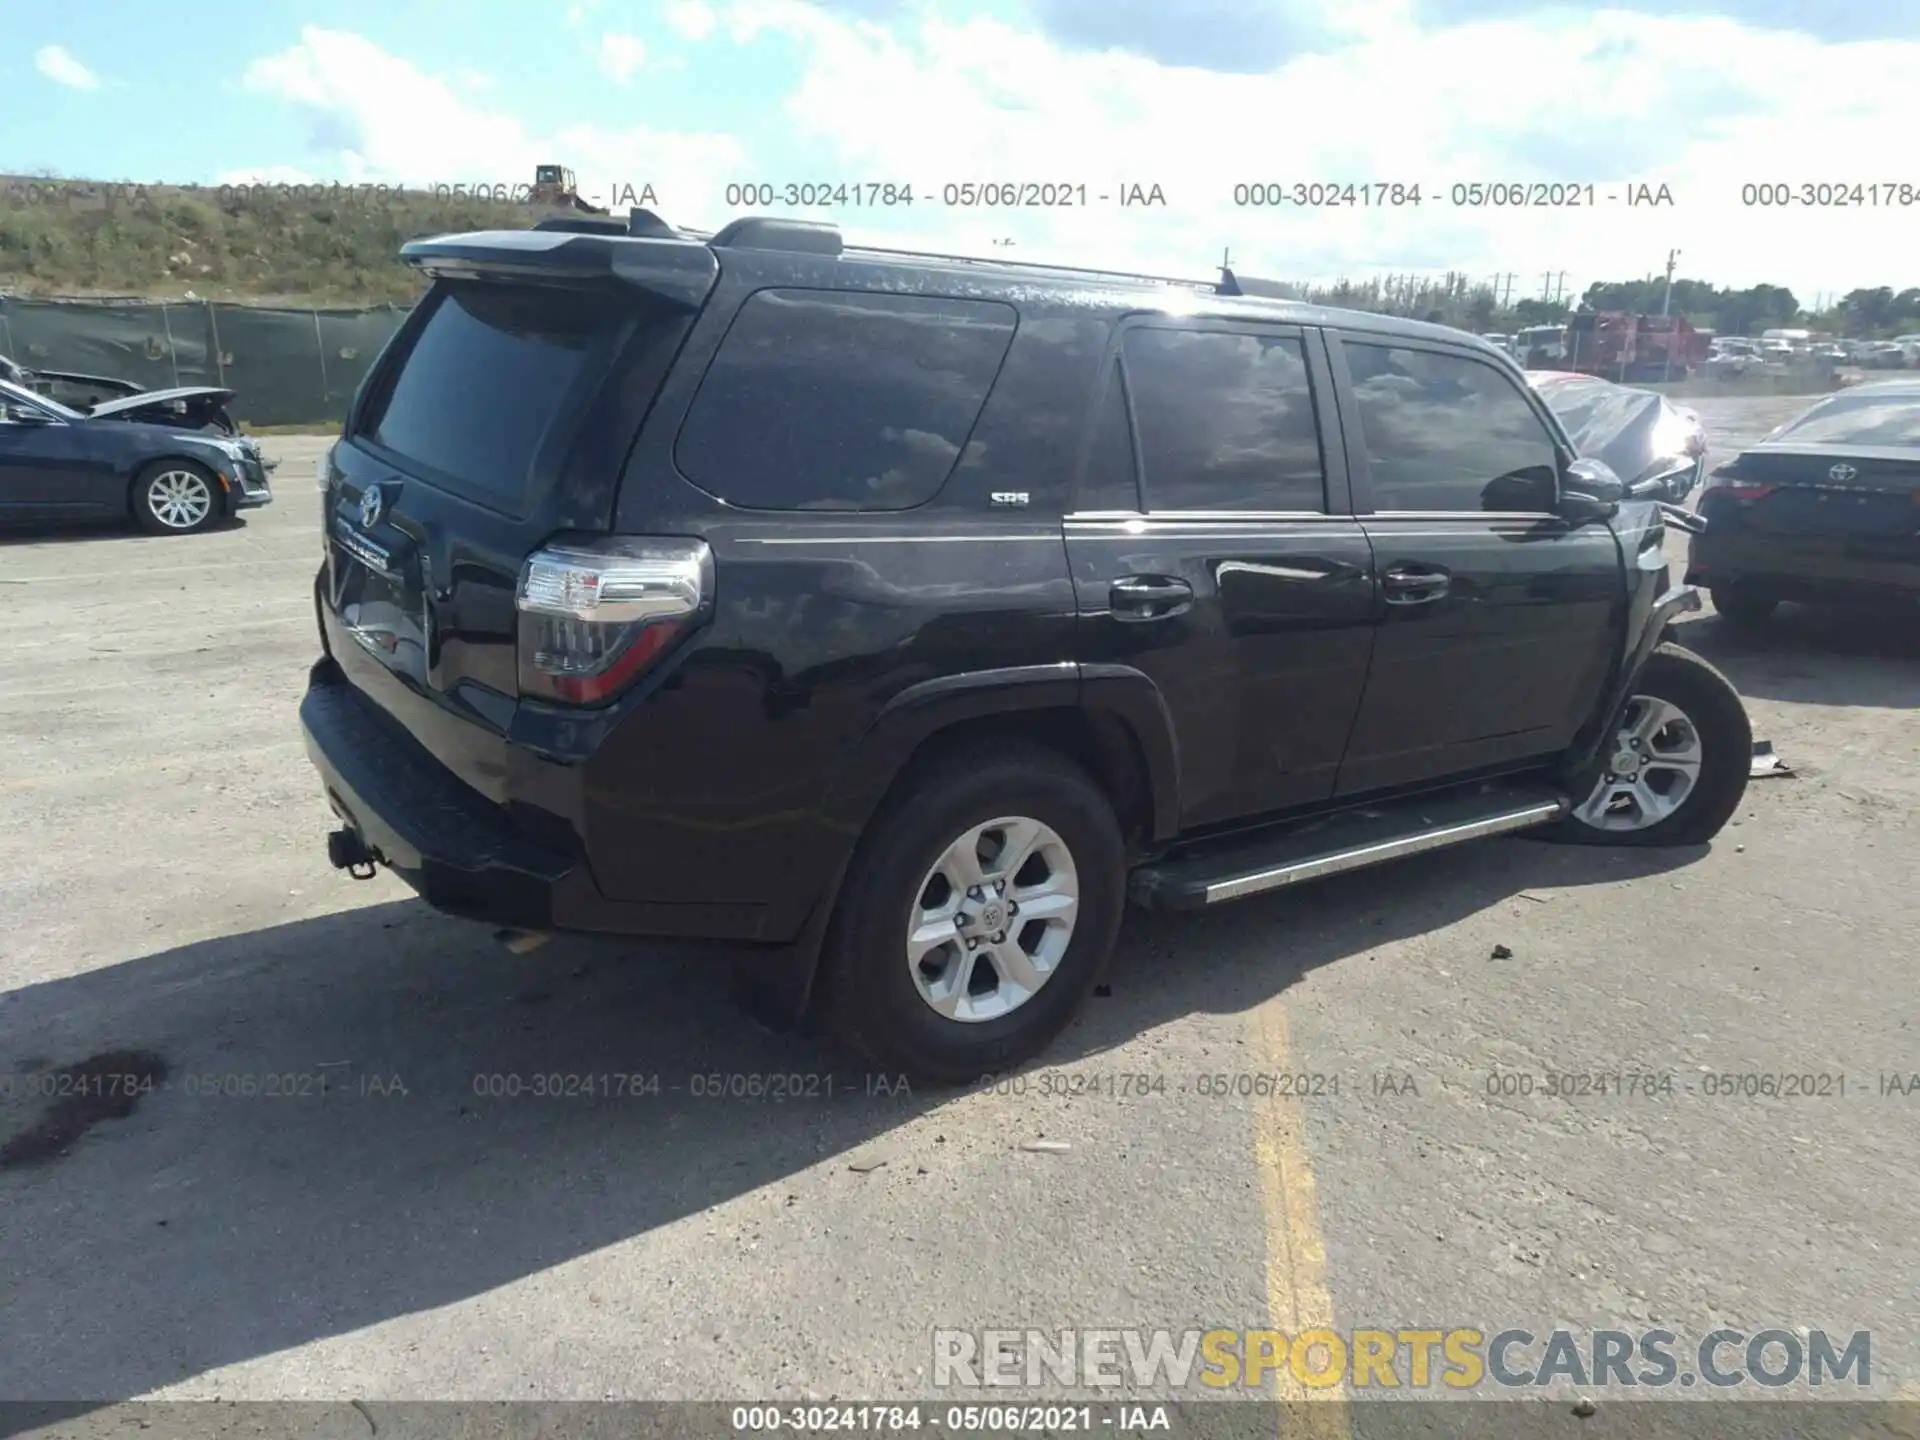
<point x="1148" y="597"/>
<point x="1415" y="584"/>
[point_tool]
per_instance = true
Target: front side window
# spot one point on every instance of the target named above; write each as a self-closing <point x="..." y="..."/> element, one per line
<point x="39" y="404"/>
<point x="1226" y="421"/>
<point x="840" y="400"/>
<point x="1444" y="432"/>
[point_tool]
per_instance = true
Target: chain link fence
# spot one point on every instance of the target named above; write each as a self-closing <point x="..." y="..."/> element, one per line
<point x="286" y="367"/>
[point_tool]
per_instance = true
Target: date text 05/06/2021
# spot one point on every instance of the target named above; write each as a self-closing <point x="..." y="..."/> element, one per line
<point x="1012" y="1418"/>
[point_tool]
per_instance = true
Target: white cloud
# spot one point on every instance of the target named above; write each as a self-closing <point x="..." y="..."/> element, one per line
<point x="621" y="55"/>
<point x="1618" y="100"/>
<point x="57" y="63"/>
<point x="1607" y="98"/>
<point x="378" y="118"/>
<point x="692" y="19"/>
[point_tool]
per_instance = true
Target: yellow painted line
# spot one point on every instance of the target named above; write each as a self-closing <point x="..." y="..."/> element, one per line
<point x="1297" y="1295"/>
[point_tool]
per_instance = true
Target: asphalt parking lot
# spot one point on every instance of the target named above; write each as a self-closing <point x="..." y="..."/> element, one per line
<point x="384" y="1229"/>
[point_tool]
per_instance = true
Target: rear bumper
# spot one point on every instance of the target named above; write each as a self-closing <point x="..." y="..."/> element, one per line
<point x="462" y="851"/>
<point x="451" y="844"/>
<point x="1806" y="568"/>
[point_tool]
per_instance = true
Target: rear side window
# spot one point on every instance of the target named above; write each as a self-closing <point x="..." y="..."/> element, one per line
<point x="1444" y="432"/>
<point x="1111" y="481"/>
<point x="1226" y="421"/>
<point x="482" y="383"/>
<point x="836" y="400"/>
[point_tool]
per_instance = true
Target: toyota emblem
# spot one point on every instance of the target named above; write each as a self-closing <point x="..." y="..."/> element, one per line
<point x="372" y="503"/>
<point x="1842" y="472"/>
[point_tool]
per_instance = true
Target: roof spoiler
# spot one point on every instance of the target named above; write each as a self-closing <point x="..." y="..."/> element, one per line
<point x="576" y="250"/>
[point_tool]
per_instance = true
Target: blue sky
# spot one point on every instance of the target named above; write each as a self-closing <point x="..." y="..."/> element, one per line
<point x="1195" y="96"/>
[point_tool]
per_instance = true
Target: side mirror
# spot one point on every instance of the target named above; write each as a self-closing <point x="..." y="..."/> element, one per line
<point x="27" y="415"/>
<point x="1659" y="478"/>
<point x="1590" y="491"/>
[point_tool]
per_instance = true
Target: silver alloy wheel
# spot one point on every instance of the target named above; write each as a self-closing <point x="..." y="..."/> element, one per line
<point x="179" y="499"/>
<point x="992" y="919"/>
<point x="1652" y="770"/>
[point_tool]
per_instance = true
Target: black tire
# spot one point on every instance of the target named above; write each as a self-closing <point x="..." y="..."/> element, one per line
<point x="870" y="996"/>
<point x="1743" y="606"/>
<point x="1709" y="701"/>
<point x="150" y="511"/>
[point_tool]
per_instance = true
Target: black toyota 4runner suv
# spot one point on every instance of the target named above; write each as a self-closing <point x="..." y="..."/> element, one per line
<point x="899" y="617"/>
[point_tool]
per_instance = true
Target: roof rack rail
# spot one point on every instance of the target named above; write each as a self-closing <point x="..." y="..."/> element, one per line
<point x="645" y="225"/>
<point x="583" y="224"/>
<point x="766" y="232"/>
<point x="815" y="237"/>
<point x="1252" y="286"/>
<point x="1182" y="280"/>
<point x="640" y="224"/>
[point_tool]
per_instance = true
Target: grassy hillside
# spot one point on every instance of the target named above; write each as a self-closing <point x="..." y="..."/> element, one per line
<point x="299" y="245"/>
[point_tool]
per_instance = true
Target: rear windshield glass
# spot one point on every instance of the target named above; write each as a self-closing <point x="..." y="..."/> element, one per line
<point x="828" y="400"/>
<point x="1857" y="420"/>
<point x="485" y="379"/>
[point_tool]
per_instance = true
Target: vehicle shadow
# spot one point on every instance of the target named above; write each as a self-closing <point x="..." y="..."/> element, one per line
<point x="1818" y="655"/>
<point x="20" y="535"/>
<point x="218" y="1222"/>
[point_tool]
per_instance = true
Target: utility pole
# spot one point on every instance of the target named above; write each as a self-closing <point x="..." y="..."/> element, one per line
<point x="1666" y="300"/>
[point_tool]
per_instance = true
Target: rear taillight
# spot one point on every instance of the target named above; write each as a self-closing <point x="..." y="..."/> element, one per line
<point x="594" y="615"/>
<point x="324" y="474"/>
<point x="1729" y="484"/>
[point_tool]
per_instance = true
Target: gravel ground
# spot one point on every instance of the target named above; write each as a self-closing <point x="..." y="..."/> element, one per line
<point x="384" y="1231"/>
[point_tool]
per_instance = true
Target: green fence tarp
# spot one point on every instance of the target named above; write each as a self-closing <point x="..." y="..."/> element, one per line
<point x="286" y="367"/>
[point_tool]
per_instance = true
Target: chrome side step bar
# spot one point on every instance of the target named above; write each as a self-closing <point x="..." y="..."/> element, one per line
<point x="1211" y="874"/>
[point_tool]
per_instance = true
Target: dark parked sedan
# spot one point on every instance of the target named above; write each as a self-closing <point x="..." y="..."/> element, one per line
<point x="1826" y="508"/>
<point x="58" y="464"/>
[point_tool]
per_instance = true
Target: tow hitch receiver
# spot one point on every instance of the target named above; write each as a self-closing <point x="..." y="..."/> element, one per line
<point x="347" y="851"/>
